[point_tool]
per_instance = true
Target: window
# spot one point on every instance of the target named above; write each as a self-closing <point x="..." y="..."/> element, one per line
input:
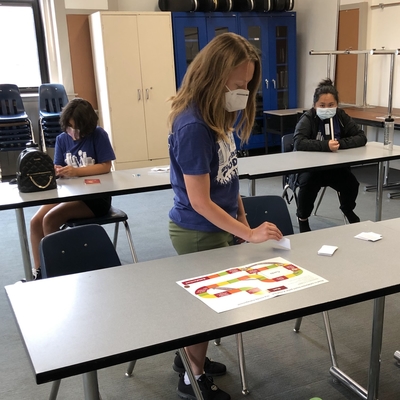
<point x="22" y="47"/>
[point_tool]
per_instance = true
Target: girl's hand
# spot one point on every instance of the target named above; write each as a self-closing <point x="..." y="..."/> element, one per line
<point x="333" y="145"/>
<point x="265" y="231"/>
<point x="66" y="172"/>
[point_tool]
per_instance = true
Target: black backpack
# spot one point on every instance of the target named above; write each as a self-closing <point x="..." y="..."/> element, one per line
<point x="35" y="171"/>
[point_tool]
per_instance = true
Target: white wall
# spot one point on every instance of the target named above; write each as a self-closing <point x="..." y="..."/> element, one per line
<point x="138" y="5"/>
<point x="316" y="30"/>
<point x="317" y="23"/>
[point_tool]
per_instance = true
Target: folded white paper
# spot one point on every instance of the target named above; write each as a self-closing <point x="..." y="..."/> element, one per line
<point x="370" y="236"/>
<point x="284" y="243"/>
<point x="327" y="250"/>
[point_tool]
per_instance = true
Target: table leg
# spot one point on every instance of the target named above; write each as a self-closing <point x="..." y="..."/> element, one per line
<point x="376" y="347"/>
<point x="192" y="379"/>
<point x="379" y="192"/>
<point x="252" y="187"/>
<point x="23" y="241"/>
<point x="375" y="358"/>
<point x="91" y="386"/>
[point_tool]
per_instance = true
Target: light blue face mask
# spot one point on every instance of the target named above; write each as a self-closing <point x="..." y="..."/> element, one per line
<point x="326" y="113"/>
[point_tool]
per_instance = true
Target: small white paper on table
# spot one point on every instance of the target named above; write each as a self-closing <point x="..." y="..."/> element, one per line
<point x="327" y="250"/>
<point x="284" y="244"/>
<point x="370" y="236"/>
<point x="160" y="169"/>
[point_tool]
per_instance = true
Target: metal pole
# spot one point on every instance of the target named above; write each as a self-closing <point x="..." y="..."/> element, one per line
<point x="328" y="72"/>
<point x="365" y="80"/>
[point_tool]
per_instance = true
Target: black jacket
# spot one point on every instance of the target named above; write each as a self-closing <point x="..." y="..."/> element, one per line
<point x="305" y="135"/>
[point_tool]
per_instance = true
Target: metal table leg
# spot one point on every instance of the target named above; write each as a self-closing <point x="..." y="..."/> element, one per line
<point x="91" y="386"/>
<point x="192" y="379"/>
<point x="23" y="240"/>
<point x="375" y="358"/>
<point x="242" y="364"/>
<point x="252" y="187"/>
<point x="397" y="357"/>
<point x="379" y="192"/>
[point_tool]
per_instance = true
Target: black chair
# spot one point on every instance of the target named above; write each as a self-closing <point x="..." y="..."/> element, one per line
<point x="15" y="126"/>
<point x="81" y="249"/>
<point x="52" y="99"/>
<point x="290" y="182"/>
<point x="268" y="208"/>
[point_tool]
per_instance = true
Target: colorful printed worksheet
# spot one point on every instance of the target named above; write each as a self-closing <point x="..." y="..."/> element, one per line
<point x="236" y="287"/>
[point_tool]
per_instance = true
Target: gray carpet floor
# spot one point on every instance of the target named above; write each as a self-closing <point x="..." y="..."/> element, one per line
<point x="281" y="364"/>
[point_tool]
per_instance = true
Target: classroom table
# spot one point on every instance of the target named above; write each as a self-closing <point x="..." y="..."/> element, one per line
<point x="61" y="340"/>
<point x="371" y="115"/>
<point x="144" y="179"/>
<point x="115" y="183"/>
<point x="270" y="165"/>
<point x="395" y="225"/>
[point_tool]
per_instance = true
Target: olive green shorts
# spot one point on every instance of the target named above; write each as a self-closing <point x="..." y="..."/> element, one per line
<point x="190" y="241"/>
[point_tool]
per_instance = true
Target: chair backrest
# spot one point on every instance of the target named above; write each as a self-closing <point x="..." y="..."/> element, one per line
<point x="80" y="249"/>
<point x="287" y="143"/>
<point x="52" y="98"/>
<point x="10" y="100"/>
<point x="269" y="208"/>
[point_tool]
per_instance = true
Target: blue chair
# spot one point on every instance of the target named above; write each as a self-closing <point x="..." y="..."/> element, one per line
<point x="52" y="99"/>
<point x="259" y="209"/>
<point x="81" y="249"/>
<point x="15" y="125"/>
<point x="114" y="216"/>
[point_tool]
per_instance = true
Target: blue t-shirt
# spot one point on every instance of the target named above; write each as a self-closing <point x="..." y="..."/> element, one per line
<point x="193" y="150"/>
<point x="92" y="149"/>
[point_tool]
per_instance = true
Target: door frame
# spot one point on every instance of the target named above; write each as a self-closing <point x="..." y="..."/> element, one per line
<point x="362" y="45"/>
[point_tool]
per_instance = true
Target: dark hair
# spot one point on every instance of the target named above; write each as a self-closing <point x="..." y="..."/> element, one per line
<point x="83" y="114"/>
<point x="325" y="87"/>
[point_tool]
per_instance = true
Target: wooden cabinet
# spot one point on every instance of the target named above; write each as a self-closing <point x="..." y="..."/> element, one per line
<point x="135" y="75"/>
<point x="273" y="34"/>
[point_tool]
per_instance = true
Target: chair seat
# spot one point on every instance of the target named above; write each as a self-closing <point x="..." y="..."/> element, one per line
<point x="114" y="215"/>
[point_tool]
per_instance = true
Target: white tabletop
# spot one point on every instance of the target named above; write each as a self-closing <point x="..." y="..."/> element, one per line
<point x="283" y="163"/>
<point x="97" y="319"/>
<point x="114" y="183"/>
<point x="284" y="112"/>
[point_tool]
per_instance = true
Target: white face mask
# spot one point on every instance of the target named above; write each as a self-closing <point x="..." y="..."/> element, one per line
<point x="236" y="100"/>
<point x="74" y="133"/>
<point x="325" y="113"/>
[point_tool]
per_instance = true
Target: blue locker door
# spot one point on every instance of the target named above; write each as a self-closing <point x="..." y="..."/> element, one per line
<point x="218" y="23"/>
<point x="190" y="36"/>
<point x="282" y="51"/>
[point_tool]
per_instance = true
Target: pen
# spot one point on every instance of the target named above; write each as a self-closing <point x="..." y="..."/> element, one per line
<point x="331" y="126"/>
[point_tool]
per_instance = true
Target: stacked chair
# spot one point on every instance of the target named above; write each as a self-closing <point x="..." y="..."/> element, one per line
<point x="15" y="126"/>
<point x="52" y="98"/>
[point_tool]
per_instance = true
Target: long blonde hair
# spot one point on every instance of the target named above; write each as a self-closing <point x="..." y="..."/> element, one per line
<point x="204" y="85"/>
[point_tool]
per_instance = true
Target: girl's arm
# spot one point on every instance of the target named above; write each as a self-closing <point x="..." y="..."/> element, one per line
<point x="198" y="189"/>
<point x="96" y="169"/>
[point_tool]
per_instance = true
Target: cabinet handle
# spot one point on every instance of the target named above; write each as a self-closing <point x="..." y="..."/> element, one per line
<point x="266" y="83"/>
<point x="273" y="80"/>
<point x="147" y="94"/>
<point x="139" y="94"/>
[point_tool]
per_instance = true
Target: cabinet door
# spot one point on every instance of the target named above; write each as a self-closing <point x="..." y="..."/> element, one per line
<point x="216" y="25"/>
<point x="282" y="68"/>
<point x="275" y="36"/>
<point x="126" y="124"/>
<point x="190" y="36"/>
<point x="158" y="79"/>
<point x="255" y="29"/>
